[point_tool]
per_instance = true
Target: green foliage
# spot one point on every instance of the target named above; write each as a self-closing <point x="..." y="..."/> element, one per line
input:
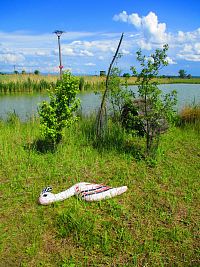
<point x="36" y="72"/>
<point x="118" y="96"/>
<point x="59" y="112"/>
<point x="155" y="110"/>
<point x="130" y="119"/>
<point x="81" y="83"/>
<point x="182" y="73"/>
<point x="127" y="75"/>
<point x="102" y="73"/>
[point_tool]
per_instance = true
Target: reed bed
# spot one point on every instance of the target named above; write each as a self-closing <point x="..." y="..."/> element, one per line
<point x="190" y="114"/>
<point x="35" y="83"/>
<point x="39" y="83"/>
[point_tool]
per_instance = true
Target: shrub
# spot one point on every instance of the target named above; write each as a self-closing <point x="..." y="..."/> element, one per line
<point x="190" y="114"/>
<point x="59" y="112"/>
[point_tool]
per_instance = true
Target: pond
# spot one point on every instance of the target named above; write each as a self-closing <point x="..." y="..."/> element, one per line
<point x="26" y="105"/>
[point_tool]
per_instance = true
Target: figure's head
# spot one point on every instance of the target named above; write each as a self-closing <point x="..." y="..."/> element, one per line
<point x="46" y="197"/>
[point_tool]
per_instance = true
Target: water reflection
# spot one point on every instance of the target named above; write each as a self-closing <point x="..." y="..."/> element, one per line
<point x="26" y="105"/>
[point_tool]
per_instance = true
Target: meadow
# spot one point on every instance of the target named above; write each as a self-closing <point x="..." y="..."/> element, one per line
<point x="14" y="83"/>
<point x="155" y="223"/>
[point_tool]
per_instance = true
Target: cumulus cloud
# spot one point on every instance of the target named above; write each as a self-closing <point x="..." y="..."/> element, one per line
<point x="190" y="49"/>
<point x="190" y="52"/>
<point x="188" y="36"/>
<point x="132" y="18"/>
<point x="149" y="25"/>
<point x="153" y="34"/>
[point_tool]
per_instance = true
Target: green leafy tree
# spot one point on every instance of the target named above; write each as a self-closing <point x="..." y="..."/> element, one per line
<point x="59" y="112"/>
<point x="154" y="108"/>
<point x="127" y="75"/>
<point x="36" y="72"/>
<point x="118" y="96"/>
<point x="182" y="74"/>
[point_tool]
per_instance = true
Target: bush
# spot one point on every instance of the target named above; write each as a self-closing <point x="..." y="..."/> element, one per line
<point x="190" y="114"/>
<point x="59" y="112"/>
<point x="131" y="120"/>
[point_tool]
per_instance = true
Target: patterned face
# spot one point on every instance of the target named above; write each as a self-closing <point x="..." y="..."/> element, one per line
<point x="46" y="197"/>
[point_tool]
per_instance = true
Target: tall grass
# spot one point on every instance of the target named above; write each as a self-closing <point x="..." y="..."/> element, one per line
<point x="155" y="223"/>
<point x="25" y="86"/>
<point x="190" y="116"/>
<point x="36" y="83"/>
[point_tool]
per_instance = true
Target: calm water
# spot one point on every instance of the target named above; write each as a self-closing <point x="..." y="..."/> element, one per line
<point x="26" y="105"/>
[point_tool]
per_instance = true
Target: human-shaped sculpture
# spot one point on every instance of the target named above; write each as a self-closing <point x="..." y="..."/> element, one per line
<point x="86" y="191"/>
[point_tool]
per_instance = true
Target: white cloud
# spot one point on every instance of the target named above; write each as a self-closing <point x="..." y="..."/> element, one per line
<point x="170" y="61"/>
<point x="80" y="48"/>
<point x="149" y="25"/>
<point x="189" y="57"/>
<point x="86" y="53"/>
<point x="40" y="53"/>
<point x="144" y="45"/>
<point x="125" y="52"/>
<point x="11" y="58"/>
<point x="153" y="34"/>
<point x="132" y="19"/>
<point x="67" y="51"/>
<point x="123" y="16"/>
<point x="188" y="36"/>
<point x="190" y="52"/>
<point x="90" y="64"/>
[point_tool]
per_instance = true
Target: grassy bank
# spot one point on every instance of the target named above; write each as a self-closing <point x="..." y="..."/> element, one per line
<point x="155" y="223"/>
<point x="36" y="83"/>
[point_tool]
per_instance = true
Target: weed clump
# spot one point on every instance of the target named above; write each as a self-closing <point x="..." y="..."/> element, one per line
<point x="190" y="114"/>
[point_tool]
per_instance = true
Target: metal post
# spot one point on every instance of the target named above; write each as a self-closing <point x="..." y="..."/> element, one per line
<point x="60" y="60"/>
<point x="59" y="33"/>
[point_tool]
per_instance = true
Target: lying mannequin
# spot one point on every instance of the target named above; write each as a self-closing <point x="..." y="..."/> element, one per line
<point x="87" y="191"/>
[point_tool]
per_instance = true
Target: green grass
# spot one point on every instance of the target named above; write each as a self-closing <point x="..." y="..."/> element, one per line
<point x="155" y="223"/>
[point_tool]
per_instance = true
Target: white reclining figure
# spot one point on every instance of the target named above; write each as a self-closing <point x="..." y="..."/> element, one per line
<point x="87" y="191"/>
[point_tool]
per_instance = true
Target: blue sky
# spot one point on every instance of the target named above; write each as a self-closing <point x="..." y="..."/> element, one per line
<point x="92" y="31"/>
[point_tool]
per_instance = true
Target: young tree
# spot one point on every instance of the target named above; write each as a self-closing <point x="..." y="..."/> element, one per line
<point x="118" y="96"/>
<point x="59" y="112"/>
<point x="36" y="72"/>
<point x="182" y="74"/>
<point x="154" y="109"/>
<point x="102" y="110"/>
